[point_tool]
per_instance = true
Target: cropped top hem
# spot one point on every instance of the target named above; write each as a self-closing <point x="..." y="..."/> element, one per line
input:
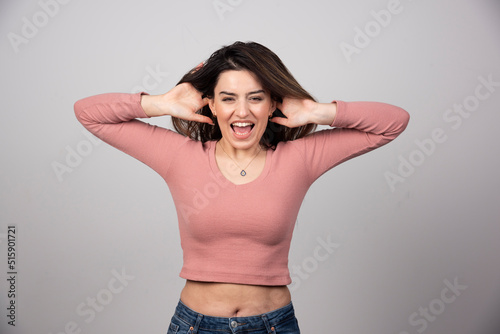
<point x="236" y="278"/>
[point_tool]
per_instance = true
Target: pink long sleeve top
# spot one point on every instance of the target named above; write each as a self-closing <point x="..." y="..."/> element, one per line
<point x="238" y="233"/>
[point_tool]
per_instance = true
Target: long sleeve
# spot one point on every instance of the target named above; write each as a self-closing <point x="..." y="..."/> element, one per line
<point x="112" y="118"/>
<point x="360" y="127"/>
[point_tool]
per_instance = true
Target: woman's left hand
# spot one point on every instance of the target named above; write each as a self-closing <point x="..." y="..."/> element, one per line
<point x="300" y="112"/>
<point x="297" y="112"/>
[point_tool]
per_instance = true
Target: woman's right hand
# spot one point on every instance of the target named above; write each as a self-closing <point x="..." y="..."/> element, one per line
<point x="182" y="102"/>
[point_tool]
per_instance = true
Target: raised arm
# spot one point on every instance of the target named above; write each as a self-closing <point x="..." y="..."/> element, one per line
<point x="113" y="118"/>
<point x="360" y="127"/>
<point x="381" y="122"/>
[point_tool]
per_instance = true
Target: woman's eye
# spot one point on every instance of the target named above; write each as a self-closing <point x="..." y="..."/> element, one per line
<point x="256" y="98"/>
<point x="227" y="99"/>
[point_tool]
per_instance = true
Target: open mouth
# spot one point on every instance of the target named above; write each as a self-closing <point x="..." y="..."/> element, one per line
<point x="242" y="129"/>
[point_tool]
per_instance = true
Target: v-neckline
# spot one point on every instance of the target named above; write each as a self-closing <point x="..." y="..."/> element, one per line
<point x="216" y="170"/>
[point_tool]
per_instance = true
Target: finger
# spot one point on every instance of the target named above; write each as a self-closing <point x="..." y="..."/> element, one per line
<point x="204" y="101"/>
<point x="200" y="65"/>
<point x="202" y="119"/>
<point x="279" y="120"/>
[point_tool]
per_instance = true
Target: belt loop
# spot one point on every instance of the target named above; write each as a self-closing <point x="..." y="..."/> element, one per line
<point x="197" y="324"/>
<point x="266" y="322"/>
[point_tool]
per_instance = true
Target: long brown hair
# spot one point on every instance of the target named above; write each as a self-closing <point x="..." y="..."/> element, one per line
<point x="272" y="75"/>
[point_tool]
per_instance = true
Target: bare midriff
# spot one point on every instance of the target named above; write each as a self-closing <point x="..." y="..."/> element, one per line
<point x="233" y="300"/>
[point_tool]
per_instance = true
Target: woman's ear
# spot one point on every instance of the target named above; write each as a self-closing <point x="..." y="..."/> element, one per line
<point x="274" y="105"/>
<point x="211" y="105"/>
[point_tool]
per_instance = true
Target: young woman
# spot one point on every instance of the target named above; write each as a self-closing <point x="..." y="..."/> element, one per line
<point x="238" y="167"/>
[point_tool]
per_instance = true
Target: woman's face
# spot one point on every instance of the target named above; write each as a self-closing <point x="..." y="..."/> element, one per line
<point x="242" y="108"/>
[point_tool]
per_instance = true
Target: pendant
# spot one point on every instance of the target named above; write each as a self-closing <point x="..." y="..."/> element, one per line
<point x="243" y="173"/>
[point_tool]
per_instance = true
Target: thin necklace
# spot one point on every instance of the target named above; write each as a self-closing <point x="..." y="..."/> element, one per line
<point x="242" y="173"/>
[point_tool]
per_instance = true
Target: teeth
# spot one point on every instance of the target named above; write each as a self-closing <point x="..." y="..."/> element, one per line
<point x="241" y="124"/>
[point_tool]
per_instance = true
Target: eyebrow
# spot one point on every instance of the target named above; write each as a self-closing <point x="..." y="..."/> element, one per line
<point x="233" y="94"/>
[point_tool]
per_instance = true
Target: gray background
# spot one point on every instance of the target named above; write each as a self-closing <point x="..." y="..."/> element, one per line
<point x="84" y="211"/>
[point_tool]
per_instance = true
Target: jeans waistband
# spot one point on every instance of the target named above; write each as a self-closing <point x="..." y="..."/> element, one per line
<point x="234" y="324"/>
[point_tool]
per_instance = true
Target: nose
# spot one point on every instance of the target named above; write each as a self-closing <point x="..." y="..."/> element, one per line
<point x="242" y="109"/>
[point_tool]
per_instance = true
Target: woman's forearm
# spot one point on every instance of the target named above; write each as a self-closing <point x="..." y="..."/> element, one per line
<point x="151" y="104"/>
<point x="377" y="118"/>
<point x="324" y="113"/>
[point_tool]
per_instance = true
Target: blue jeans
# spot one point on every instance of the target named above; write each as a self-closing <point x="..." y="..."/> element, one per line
<point x="280" y="321"/>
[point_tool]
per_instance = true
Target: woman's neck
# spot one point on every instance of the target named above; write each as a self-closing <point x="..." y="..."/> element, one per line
<point x="242" y="155"/>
